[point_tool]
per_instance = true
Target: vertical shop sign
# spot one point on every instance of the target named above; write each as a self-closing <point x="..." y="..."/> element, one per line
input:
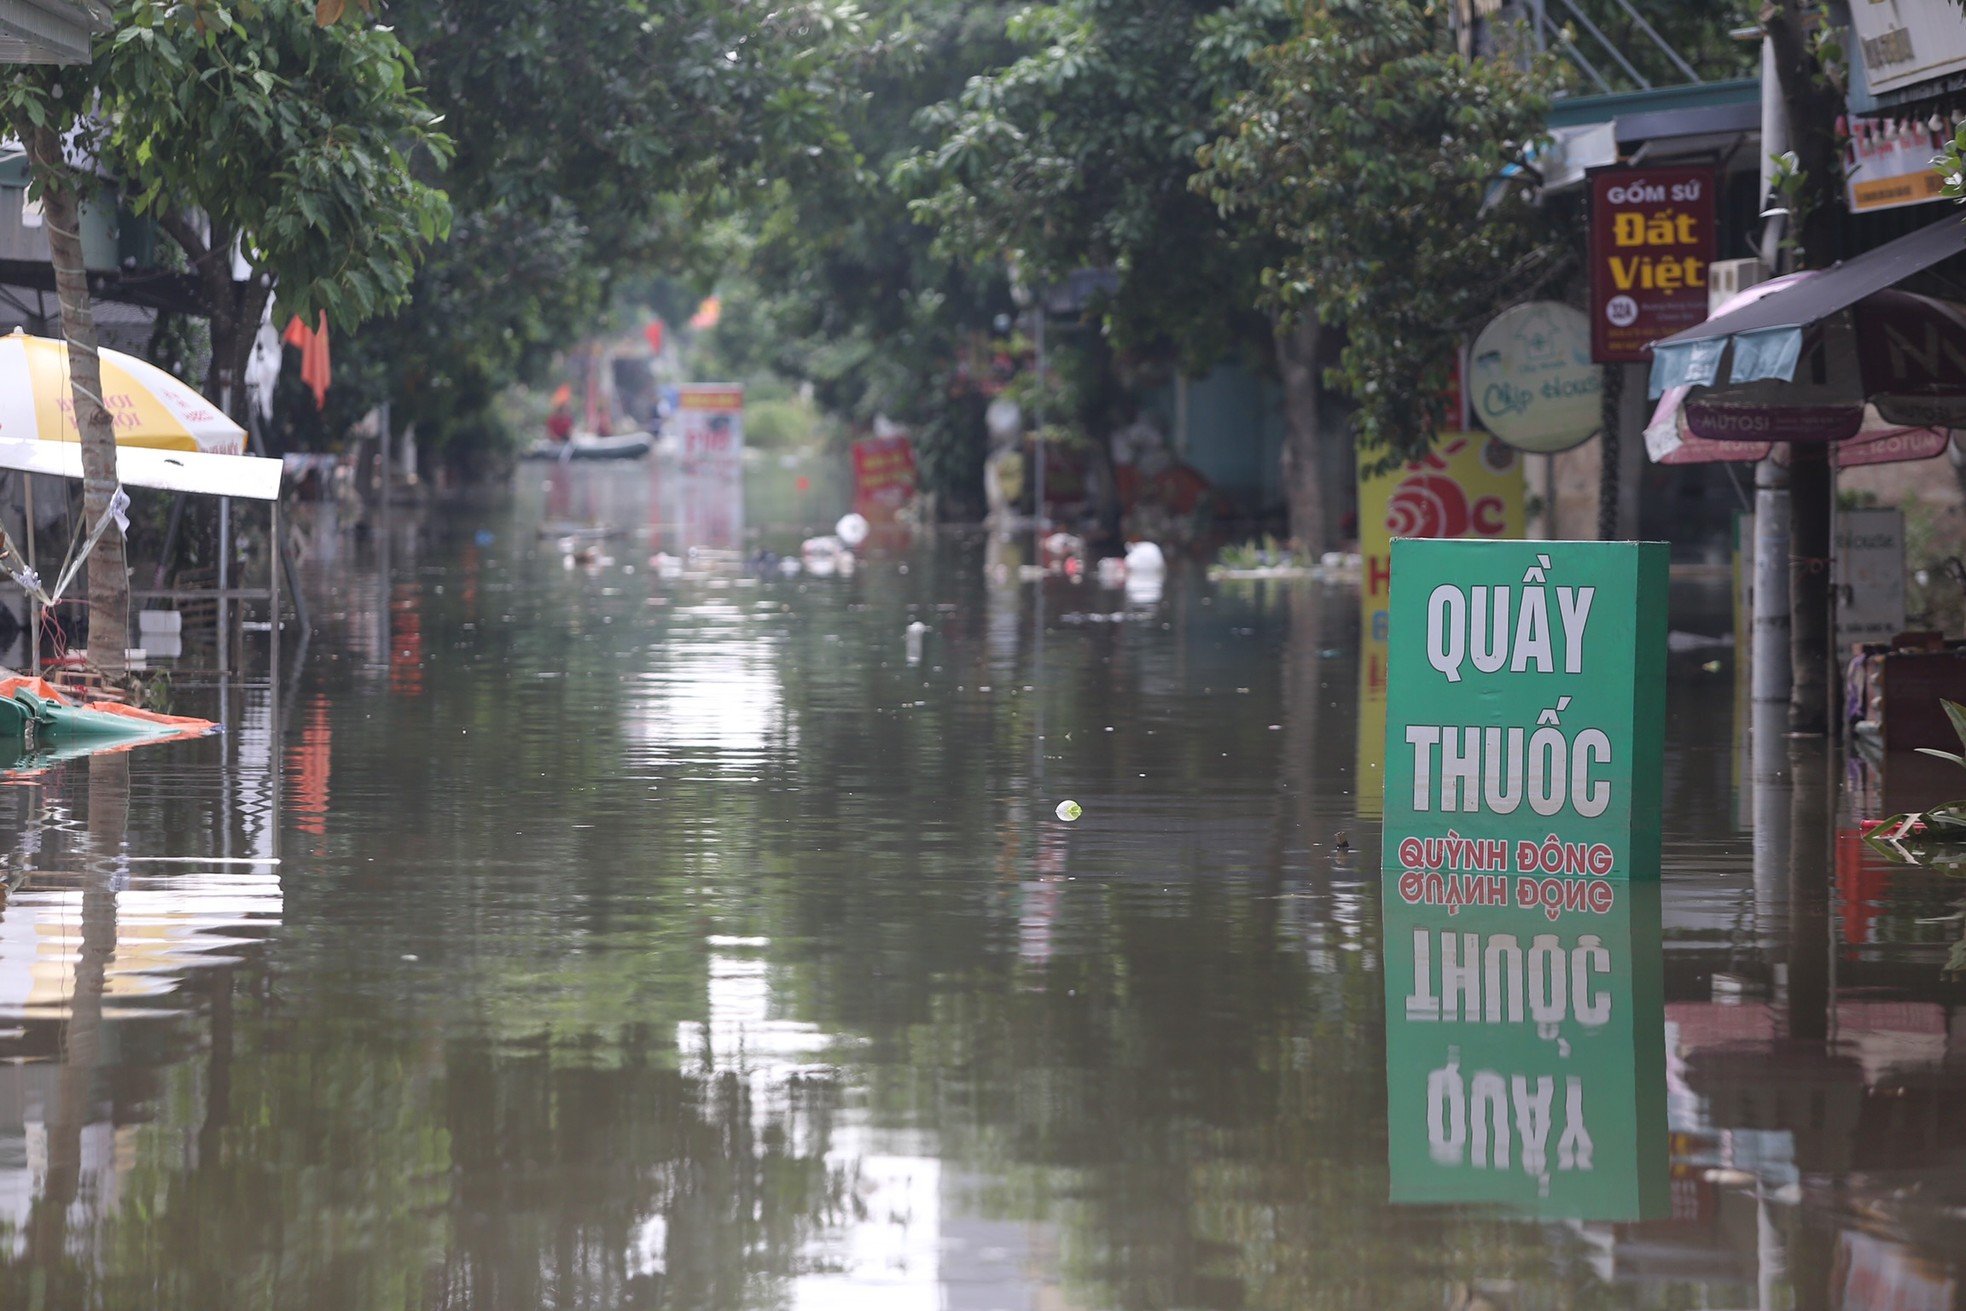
<point x="1525" y="719"/>
<point x="1653" y="235"/>
<point x="710" y="419"/>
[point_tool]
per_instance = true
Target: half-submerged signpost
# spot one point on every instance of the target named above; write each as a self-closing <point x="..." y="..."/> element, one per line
<point x="1524" y="743"/>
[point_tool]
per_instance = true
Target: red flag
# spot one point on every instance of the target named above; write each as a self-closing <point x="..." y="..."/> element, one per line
<point x="315" y="370"/>
<point x="652" y="330"/>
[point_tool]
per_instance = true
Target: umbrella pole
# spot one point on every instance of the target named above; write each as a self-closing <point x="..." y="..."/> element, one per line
<point x="275" y="559"/>
<point x="224" y="583"/>
<point x="33" y="606"/>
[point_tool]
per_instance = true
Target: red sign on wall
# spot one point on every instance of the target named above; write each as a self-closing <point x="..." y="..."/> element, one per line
<point x="1653" y="235"/>
<point x="884" y="471"/>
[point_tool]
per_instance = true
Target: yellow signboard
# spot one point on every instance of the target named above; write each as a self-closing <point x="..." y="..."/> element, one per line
<point x="1470" y="485"/>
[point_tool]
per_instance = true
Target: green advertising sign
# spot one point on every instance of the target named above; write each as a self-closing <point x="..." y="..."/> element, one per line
<point x="1524" y="720"/>
<point x="1525" y="1055"/>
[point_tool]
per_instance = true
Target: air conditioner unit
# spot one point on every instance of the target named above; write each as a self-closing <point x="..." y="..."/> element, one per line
<point x="1727" y="278"/>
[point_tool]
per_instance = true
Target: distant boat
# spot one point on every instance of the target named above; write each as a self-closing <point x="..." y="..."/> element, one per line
<point x="592" y="446"/>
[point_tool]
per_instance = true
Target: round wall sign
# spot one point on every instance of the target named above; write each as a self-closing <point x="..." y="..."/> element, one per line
<point x="1533" y="381"/>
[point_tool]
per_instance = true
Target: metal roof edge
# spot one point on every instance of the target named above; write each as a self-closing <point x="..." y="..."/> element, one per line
<point x="52" y="31"/>
<point x="1580" y="111"/>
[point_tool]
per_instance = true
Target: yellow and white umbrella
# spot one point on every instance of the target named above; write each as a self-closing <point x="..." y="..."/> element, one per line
<point x="150" y="407"/>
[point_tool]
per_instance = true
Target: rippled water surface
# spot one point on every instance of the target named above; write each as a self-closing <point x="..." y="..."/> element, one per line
<point x="577" y="931"/>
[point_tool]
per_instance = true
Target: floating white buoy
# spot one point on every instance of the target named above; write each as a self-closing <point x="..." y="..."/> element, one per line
<point x="1145" y="558"/>
<point x="1069" y="810"/>
<point x="851" y="529"/>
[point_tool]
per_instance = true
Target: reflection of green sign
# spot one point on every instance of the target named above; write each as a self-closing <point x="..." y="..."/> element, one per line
<point x="1525" y="719"/>
<point x="1525" y="1056"/>
<point x="1531" y="378"/>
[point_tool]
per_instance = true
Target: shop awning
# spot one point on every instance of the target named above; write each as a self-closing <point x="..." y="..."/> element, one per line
<point x="249" y="476"/>
<point x="1767" y="334"/>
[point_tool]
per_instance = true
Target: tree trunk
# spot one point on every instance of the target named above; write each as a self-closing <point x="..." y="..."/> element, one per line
<point x="1812" y="104"/>
<point x="1299" y="363"/>
<point x="108" y="573"/>
<point x="236" y="350"/>
<point x="233" y="308"/>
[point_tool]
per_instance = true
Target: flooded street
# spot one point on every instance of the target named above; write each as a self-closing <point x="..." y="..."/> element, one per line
<point x="599" y="934"/>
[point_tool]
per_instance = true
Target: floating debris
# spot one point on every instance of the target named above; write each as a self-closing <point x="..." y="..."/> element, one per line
<point x="1069" y="810"/>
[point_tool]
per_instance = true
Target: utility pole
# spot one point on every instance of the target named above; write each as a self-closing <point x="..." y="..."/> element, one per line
<point x="1769" y="666"/>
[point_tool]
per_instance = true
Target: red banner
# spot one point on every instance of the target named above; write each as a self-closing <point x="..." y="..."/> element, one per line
<point x="1653" y="235"/>
<point x="884" y="471"/>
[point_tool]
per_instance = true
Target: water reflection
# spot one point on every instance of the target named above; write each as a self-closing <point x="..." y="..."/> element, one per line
<point x="1525" y="1060"/>
<point x="712" y="692"/>
<point x="652" y="941"/>
<point x="101" y="939"/>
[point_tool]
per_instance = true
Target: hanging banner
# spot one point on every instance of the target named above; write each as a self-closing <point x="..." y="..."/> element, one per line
<point x="710" y="421"/>
<point x="1470" y="485"/>
<point x="1653" y="234"/>
<point x="1888" y="163"/>
<point x="1531" y="377"/>
<point x="1525" y="720"/>
<point x="1525" y="1055"/>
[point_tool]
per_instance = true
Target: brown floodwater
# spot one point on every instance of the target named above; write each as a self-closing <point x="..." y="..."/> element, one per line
<point x="579" y="930"/>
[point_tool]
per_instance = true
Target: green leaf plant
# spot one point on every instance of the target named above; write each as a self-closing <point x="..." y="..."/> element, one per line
<point x="1934" y="838"/>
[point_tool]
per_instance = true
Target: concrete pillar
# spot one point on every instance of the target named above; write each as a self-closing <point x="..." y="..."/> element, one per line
<point x="1769" y="669"/>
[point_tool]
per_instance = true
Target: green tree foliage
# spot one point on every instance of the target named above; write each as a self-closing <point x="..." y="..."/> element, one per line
<point x="1082" y="154"/>
<point x="1078" y="154"/>
<point x="249" y="126"/>
<point x="309" y="145"/>
<point x="1388" y="169"/>
<point x="595" y="140"/>
<point x="832" y="283"/>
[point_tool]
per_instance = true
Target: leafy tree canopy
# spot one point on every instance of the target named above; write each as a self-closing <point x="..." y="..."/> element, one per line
<point x="303" y="142"/>
<point x="1079" y="154"/>
<point x="1386" y="168"/>
<point x="595" y="140"/>
<point x="248" y="125"/>
<point x="832" y="283"/>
